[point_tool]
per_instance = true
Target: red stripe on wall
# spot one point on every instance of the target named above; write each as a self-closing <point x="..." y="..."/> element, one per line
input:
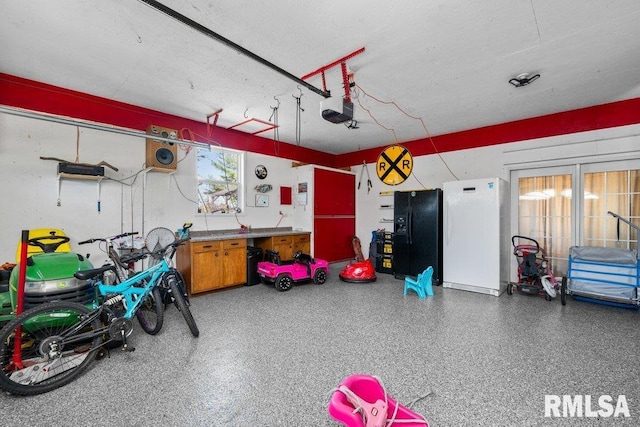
<point x="32" y="95"/>
<point x="41" y="97"/>
<point x="620" y="113"/>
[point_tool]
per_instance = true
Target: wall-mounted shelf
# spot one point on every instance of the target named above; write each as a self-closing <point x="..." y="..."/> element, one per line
<point x="386" y="206"/>
<point x="77" y="177"/>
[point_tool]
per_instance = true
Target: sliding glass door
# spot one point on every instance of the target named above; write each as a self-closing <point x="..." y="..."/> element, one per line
<point x="545" y="210"/>
<point x="610" y="188"/>
<point x="544" y="207"/>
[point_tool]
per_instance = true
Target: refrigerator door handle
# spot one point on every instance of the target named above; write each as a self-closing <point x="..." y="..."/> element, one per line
<point x="409" y="225"/>
<point x="448" y="220"/>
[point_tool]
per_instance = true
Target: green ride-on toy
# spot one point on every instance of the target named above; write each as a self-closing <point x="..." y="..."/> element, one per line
<point x="49" y="274"/>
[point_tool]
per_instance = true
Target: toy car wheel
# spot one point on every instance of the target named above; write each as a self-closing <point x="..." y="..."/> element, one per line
<point x="510" y="289"/>
<point x="283" y="283"/>
<point x="320" y="276"/>
<point x="547" y="297"/>
<point x="563" y="291"/>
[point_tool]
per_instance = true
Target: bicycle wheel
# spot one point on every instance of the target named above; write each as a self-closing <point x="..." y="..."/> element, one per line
<point x="182" y="286"/>
<point x="181" y="304"/>
<point x="151" y="313"/>
<point x="52" y="352"/>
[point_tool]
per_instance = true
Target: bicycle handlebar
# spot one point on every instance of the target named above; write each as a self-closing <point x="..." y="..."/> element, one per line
<point x="161" y="252"/>
<point x="180" y="241"/>
<point x="104" y="239"/>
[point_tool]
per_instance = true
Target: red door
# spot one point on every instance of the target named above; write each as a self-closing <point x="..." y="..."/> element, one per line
<point x="334" y="223"/>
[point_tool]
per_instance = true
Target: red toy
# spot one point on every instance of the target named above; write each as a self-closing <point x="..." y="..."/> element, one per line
<point x="283" y="274"/>
<point x="360" y="270"/>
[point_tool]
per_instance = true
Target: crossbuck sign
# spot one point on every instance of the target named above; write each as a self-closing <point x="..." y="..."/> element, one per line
<point x="394" y="165"/>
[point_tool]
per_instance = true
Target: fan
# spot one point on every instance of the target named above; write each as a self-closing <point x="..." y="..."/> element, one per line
<point x="159" y="238"/>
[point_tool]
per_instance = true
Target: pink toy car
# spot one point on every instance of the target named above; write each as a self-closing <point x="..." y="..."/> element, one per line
<point x="284" y="274"/>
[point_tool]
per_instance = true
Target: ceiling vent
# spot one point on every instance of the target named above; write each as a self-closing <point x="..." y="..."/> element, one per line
<point x="336" y="110"/>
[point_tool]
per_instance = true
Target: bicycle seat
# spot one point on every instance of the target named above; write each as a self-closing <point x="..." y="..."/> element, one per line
<point x="90" y="274"/>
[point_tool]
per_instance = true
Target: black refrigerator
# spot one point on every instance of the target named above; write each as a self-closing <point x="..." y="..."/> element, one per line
<point x="417" y="233"/>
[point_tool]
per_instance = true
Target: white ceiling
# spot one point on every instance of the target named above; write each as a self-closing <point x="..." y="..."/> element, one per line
<point x="447" y="62"/>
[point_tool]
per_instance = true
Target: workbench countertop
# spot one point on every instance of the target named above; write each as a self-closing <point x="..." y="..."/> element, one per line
<point x="255" y="233"/>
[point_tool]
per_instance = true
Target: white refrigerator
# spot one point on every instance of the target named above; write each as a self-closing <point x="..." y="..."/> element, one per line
<point x="476" y="245"/>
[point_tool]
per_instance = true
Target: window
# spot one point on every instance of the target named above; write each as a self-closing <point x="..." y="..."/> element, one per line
<point x="616" y="191"/>
<point x="220" y="174"/>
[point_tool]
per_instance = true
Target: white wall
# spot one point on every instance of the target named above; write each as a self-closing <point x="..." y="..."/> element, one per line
<point x="150" y="200"/>
<point x="30" y="187"/>
<point x="428" y="172"/>
<point x="494" y="161"/>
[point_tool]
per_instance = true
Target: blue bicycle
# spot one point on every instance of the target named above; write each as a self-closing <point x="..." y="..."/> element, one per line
<point x="150" y="313"/>
<point x="51" y="344"/>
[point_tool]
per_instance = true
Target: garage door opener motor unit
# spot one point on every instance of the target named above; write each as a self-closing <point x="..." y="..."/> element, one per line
<point x="336" y="110"/>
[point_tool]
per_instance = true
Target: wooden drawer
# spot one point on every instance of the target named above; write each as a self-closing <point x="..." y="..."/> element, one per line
<point x="282" y="240"/>
<point x="302" y="238"/>
<point x="234" y="243"/>
<point x="205" y="246"/>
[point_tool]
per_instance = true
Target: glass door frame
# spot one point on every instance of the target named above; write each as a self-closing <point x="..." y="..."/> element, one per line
<point x="516" y="174"/>
<point x="610" y="166"/>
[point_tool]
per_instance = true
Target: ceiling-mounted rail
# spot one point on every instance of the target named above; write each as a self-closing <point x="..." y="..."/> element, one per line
<point x="209" y="33"/>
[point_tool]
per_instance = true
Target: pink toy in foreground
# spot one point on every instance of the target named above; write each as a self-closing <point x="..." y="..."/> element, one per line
<point x="361" y="401"/>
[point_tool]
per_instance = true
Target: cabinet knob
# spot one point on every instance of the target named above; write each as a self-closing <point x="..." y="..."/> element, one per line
<point x="226" y="253"/>
<point x="216" y="254"/>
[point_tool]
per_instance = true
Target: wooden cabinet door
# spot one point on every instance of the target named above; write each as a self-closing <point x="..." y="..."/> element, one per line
<point x="234" y="258"/>
<point x="302" y="243"/>
<point x="206" y="266"/>
<point x="284" y="246"/>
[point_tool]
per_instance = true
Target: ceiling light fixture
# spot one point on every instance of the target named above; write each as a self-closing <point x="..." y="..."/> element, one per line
<point x="523" y="79"/>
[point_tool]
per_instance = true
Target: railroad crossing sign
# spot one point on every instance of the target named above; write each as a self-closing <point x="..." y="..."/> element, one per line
<point x="394" y="165"/>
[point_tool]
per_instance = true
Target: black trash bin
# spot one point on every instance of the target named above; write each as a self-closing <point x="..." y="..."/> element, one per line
<point x="254" y="255"/>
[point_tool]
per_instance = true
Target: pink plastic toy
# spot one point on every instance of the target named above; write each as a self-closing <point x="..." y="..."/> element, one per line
<point x="361" y="401"/>
<point x="283" y="274"/>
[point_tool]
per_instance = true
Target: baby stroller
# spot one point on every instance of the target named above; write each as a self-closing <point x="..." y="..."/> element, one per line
<point x="534" y="272"/>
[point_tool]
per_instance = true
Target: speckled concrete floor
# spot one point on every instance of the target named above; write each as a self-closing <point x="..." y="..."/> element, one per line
<point x="266" y="358"/>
